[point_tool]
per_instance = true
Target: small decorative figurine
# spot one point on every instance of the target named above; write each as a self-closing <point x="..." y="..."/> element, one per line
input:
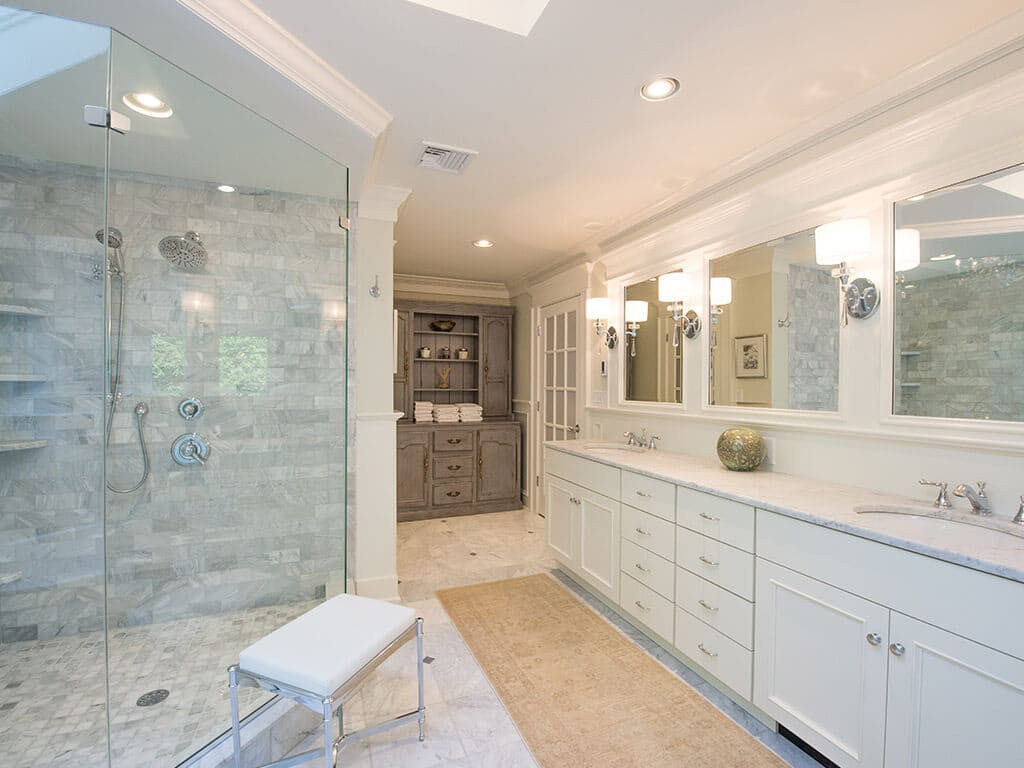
<point x="444" y="373"/>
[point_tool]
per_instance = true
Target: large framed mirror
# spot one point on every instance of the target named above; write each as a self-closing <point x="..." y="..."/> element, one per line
<point x="958" y="319"/>
<point x="652" y="346"/>
<point x="774" y="328"/>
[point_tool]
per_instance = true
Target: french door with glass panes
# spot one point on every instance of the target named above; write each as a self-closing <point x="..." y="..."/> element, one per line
<point x="560" y="387"/>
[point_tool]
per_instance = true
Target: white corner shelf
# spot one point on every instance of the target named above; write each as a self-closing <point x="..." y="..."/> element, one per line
<point x="15" y="309"/>
<point x="21" y="445"/>
<point x="21" y="377"/>
<point x="9" y="578"/>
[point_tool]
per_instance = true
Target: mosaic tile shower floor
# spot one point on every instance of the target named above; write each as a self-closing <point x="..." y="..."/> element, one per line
<point x="52" y="693"/>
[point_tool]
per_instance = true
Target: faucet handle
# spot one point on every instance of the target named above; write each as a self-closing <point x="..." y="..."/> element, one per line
<point x="942" y="502"/>
<point x="981" y="489"/>
<point x="651" y="442"/>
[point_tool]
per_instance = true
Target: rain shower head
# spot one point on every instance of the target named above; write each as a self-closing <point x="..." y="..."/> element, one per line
<point x="184" y="251"/>
<point x="112" y="238"/>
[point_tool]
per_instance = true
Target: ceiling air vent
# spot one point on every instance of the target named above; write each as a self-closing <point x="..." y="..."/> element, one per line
<point x="441" y="157"/>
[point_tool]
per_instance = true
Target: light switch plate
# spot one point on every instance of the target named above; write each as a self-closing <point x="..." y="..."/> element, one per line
<point x="769" y="452"/>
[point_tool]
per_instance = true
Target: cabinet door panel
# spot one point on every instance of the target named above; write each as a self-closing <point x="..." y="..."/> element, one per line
<point x="498" y="464"/>
<point x="497" y="356"/>
<point x="413" y="468"/>
<point x="815" y="670"/>
<point x="403" y="362"/>
<point x="561" y="516"/>
<point x="952" y="702"/>
<point x="599" y="541"/>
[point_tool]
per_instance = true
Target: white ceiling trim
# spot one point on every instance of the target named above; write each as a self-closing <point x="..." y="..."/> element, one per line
<point x="381" y="202"/>
<point x="268" y="41"/>
<point x="448" y="286"/>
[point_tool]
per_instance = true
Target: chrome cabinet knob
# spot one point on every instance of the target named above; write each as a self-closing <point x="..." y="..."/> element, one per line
<point x="874" y="638"/>
<point x="897" y="649"/>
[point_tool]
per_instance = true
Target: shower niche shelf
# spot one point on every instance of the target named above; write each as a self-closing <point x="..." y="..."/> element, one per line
<point x="18" y="378"/>
<point x="19" y="311"/>
<point x="9" y="578"/>
<point x="6" y="446"/>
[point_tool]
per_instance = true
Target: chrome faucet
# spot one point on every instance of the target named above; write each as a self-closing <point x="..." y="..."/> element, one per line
<point x="942" y="502"/>
<point x="1019" y="517"/>
<point x="631" y="438"/>
<point x="641" y="440"/>
<point x="978" y="499"/>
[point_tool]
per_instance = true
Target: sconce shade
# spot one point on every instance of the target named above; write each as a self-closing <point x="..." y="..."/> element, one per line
<point x="846" y="240"/>
<point x="599" y="309"/>
<point x="673" y="288"/>
<point x="907" y="249"/>
<point x="721" y="291"/>
<point x="636" y="311"/>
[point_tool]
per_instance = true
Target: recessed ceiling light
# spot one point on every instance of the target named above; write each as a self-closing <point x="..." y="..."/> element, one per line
<point x="147" y="104"/>
<point x="943" y="257"/>
<point x="483" y="243"/>
<point x="226" y="188"/>
<point x="660" y="88"/>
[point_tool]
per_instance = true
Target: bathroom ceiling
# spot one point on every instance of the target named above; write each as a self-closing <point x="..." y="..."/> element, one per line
<point x="569" y="154"/>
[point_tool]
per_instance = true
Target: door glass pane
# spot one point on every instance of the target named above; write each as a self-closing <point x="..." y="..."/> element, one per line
<point x="570" y="331"/>
<point x="52" y="644"/>
<point x="560" y="369"/>
<point x="549" y="405"/>
<point x="560" y="408"/>
<point x="549" y="334"/>
<point x="570" y="369"/>
<point x="236" y="298"/>
<point x="549" y="369"/>
<point x="560" y="332"/>
<point x="570" y="407"/>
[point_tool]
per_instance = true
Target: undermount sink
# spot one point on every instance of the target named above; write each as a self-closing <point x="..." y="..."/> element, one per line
<point x="930" y="516"/>
<point x="610" y="448"/>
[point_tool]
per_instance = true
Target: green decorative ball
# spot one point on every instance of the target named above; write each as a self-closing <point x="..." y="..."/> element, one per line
<point x="741" y="449"/>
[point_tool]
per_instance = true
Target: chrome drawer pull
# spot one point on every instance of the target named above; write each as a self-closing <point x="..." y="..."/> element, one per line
<point x="642" y="532"/>
<point x="454" y="467"/>
<point x="704" y="560"/>
<point x="641" y="606"/>
<point x="712" y="654"/>
<point x="709" y="517"/>
<point x="642" y="569"/>
<point x="874" y="639"/>
<point x="453" y="494"/>
<point x="704" y="605"/>
<point x="643" y="495"/>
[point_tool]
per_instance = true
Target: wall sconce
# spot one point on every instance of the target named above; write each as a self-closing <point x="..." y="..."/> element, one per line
<point x="840" y="244"/>
<point x="636" y="313"/>
<point x="719" y="296"/>
<point x="599" y="310"/>
<point x="674" y="290"/>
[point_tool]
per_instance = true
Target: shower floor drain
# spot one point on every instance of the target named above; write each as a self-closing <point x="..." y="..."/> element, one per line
<point x="153" y="697"/>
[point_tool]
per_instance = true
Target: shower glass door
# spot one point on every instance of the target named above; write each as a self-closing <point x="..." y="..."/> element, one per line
<point x="228" y="356"/>
<point x="52" y="642"/>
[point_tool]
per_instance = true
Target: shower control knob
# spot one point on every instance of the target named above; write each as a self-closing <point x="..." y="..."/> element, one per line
<point x="190" y="449"/>
<point x="190" y="407"/>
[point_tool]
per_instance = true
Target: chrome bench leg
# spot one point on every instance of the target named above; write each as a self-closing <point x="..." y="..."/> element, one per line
<point x="330" y="754"/>
<point x="419" y="675"/>
<point x="236" y="735"/>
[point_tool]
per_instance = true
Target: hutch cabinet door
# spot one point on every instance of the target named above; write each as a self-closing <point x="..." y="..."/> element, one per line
<point x="413" y="468"/>
<point x="498" y="464"/>
<point x="496" y="397"/>
<point x="952" y="702"/>
<point x="403" y="362"/>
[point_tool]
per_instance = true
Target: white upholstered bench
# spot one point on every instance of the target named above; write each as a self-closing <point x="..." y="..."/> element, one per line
<point x="320" y="658"/>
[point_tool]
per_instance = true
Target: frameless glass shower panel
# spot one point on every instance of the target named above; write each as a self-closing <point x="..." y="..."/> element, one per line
<point x="229" y="357"/>
<point x="52" y="283"/>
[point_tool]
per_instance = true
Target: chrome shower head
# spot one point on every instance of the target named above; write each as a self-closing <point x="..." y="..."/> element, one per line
<point x="184" y="251"/>
<point x="112" y="238"/>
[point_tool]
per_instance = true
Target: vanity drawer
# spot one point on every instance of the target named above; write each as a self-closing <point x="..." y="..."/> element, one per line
<point x="726" y="566"/>
<point x="594" y="475"/>
<point x="453" y="440"/>
<point x="649" y="569"/>
<point x="450" y="467"/>
<point x="726" y="659"/>
<point x="719" y="518"/>
<point x="452" y="493"/>
<point x="646" y="606"/>
<point x="719" y="608"/>
<point x="650" y="532"/>
<point x="650" y="495"/>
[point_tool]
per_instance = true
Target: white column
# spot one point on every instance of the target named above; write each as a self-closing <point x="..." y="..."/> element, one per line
<point x="374" y="527"/>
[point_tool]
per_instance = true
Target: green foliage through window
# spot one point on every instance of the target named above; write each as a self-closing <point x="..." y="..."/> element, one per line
<point x="243" y="365"/>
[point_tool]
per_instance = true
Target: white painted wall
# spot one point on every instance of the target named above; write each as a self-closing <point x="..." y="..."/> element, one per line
<point x="965" y="128"/>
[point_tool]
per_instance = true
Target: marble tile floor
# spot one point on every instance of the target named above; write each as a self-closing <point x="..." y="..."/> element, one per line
<point x="52" y="693"/>
<point x="467" y="725"/>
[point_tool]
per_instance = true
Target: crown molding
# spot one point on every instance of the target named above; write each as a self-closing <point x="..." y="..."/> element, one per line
<point x="264" y="38"/>
<point x="994" y="225"/>
<point x="449" y="286"/>
<point x="381" y="203"/>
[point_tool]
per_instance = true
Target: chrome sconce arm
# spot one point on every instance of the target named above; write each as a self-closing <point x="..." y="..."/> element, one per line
<point x="609" y="335"/>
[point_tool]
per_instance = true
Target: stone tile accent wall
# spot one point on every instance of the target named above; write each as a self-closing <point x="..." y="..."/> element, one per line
<point x="813" y="340"/>
<point x="258" y="335"/>
<point x="960" y="346"/>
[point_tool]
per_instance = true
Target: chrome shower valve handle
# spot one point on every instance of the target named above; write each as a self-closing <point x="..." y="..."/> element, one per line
<point x="190" y="449"/>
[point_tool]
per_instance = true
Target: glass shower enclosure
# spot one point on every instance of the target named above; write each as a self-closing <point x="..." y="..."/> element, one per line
<point x="173" y="395"/>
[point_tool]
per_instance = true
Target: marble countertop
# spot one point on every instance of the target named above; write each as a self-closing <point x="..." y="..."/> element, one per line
<point x="831" y="505"/>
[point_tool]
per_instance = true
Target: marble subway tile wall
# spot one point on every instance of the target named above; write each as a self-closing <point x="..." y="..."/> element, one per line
<point x="258" y="335"/>
<point x="813" y="340"/>
<point x="960" y="345"/>
<point x="51" y="497"/>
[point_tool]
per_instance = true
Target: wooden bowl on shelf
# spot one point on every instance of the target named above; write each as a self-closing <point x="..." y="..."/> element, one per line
<point x="445" y="326"/>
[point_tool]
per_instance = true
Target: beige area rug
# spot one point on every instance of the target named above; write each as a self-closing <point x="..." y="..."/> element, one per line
<point x="581" y="693"/>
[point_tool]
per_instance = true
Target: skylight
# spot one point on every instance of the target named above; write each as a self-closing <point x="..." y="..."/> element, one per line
<point x="516" y="17"/>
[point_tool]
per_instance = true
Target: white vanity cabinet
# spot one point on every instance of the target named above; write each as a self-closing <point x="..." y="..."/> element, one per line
<point x="582" y="523"/>
<point x="840" y="661"/>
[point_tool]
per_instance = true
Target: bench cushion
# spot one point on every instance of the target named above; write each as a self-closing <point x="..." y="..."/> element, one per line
<point x="323" y="648"/>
